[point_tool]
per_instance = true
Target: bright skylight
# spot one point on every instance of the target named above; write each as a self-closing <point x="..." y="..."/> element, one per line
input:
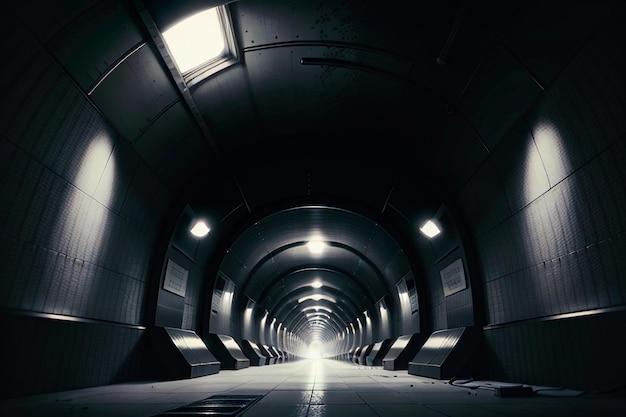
<point x="196" y="40"/>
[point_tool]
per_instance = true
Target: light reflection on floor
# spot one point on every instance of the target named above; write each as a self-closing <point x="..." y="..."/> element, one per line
<point x="312" y="387"/>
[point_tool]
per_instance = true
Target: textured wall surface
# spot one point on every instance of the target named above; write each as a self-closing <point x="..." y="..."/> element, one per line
<point x="546" y="210"/>
<point x="78" y="217"/>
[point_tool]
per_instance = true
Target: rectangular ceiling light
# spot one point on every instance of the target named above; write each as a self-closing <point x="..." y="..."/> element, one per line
<point x="202" y="44"/>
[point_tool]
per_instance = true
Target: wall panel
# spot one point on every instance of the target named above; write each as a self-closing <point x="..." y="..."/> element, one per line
<point x="77" y="228"/>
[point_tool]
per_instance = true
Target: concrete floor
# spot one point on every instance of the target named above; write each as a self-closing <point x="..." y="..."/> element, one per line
<point x="316" y="388"/>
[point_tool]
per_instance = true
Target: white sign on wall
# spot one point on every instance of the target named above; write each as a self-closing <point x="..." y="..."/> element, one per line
<point x="453" y="278"/>
<point x="175" y="280"/>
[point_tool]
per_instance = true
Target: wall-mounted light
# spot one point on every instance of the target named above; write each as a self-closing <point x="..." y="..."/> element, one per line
<point x="430" y="229"/>
<point x="200" y="229"/>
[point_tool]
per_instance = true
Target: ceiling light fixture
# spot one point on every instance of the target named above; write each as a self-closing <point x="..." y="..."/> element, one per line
<point x="317" y="297"/>
<point x="316" y="284"/>
<point x="316" y="246"/>
<point x="200" y="229"/>
<point x="317" y="308"/>
<point x="430" y="229"/>
<point x="317" y="314"/>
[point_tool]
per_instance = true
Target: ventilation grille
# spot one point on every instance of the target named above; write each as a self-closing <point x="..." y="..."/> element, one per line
<point x="217" y="405"/>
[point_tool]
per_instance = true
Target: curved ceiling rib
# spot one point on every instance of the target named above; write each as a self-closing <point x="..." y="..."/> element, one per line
<point x="307" y="272"/>
<point x="341" y="302"/>
<point x="311" y="277"/>
<point x="272" y="265"/>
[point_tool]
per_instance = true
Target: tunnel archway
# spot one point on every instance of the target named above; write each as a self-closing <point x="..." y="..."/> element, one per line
<point x="318" y="293"/>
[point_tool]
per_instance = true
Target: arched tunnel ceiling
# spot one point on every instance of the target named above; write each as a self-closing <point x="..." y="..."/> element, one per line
<point x="382" y="88"/>
<point x="272" y="264"/>
<point x="335" y="103"/>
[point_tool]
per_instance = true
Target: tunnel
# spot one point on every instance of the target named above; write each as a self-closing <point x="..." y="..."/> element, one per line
<point x="415" y="206"/>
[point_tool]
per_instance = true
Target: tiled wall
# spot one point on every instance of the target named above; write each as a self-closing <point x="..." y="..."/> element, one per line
<point x="78" y="218"/>
<point x="547" y="215"/>
<point x="48" y="354"/>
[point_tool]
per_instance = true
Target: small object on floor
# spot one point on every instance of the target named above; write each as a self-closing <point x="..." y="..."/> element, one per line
<point x="513" y="391"/>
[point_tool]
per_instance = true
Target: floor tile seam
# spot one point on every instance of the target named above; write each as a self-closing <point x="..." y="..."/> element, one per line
<point x="434" y="409"/>
<point x="368" y="404"/>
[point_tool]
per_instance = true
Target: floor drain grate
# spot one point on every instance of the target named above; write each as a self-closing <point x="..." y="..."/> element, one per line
<point x="217" y="405"/>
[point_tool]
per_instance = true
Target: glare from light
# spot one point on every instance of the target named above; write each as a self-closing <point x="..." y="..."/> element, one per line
<point x="83" y="227"/>
<point x="552" y="149"/>
<point x="430" y="229"/>
<point x="200" y="229"/>
<point x="314" y="349"/>
<point x="262" y="327"/>
<point x="316" y="284"/>
<point x="317" y="308"/>
<point x="317" y="314"/>
<point x="195" y="40"/>
<point x="316" y="246"/>
<point x="317" y="297"/>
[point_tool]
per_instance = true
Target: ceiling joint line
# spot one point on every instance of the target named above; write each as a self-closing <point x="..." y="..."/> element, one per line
<point x="243" y="195"/>
<point x="116" y="64"/>
<point x="391" y="190"/>
<point x="157" y="39"/>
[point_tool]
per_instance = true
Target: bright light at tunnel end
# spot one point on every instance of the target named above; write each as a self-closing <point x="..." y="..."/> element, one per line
<point x="315" y="350"/>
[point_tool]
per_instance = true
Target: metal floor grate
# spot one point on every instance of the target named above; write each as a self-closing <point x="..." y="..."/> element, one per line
<point x="217" y="405"/>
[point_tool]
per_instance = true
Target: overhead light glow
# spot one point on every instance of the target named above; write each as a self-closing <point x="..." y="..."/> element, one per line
<point x="317" y="315"/>
<point x="317" y="297"/>
<point x="316" y="284"/>
<point x="316" y="246"/>
<point x="196" y="40"/>
<point x="430" y="229"/>
<point x="200" y="229"/>
<point x="317" y="308"/>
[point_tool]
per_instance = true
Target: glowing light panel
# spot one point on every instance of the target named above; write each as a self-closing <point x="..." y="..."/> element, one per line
<point x="430" y="229"/>
<point x="317" y="297"/>
<point x="317" y="308"/>
<point x="200" y="229"/>
<point x="196" y="40"/>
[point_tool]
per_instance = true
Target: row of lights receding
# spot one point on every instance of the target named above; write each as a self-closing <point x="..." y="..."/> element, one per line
<point x="429" y="229"/>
